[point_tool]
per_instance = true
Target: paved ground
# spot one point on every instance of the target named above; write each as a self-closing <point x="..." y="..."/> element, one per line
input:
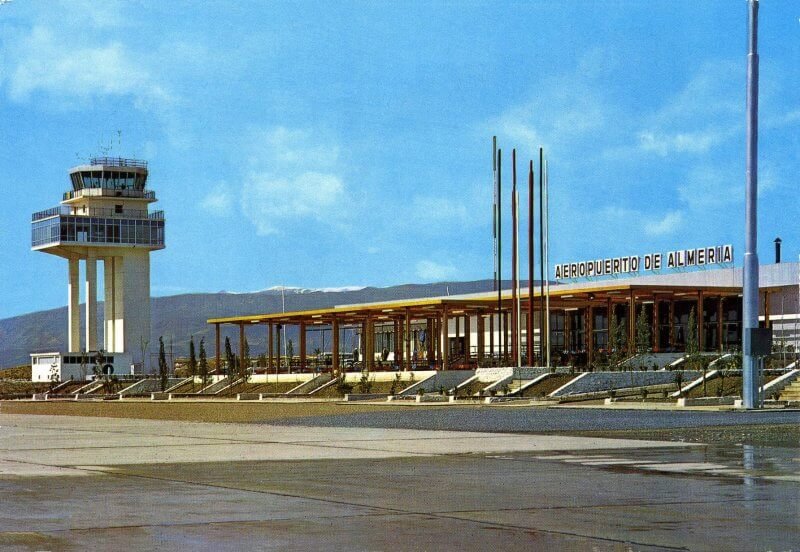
<point x="537" y="420"/>
<point x="98" y="483"/>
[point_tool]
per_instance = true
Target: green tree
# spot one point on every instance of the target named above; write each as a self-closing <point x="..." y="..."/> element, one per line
<point x="203" y="365"/>
<point x="364" y="384"/>
<point x="163" y="372"/>
<point x="643" y="337"/>
<point x="694" y="360"/>
<point x="244" y="364"/>
<point x="616" y="340"/>
<point x="290" y="354"/>
<point x="192" y="358"/>
<point x="230" y="359"/>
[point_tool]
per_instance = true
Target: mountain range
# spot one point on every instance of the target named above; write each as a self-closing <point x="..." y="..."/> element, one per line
<point x="178" y="317"/>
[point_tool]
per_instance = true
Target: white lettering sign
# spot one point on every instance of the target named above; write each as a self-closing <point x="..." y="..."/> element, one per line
<point x="682" y="258"/>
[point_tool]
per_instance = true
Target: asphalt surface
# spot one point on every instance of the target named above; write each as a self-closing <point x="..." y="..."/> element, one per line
<point x="93" y="483"/>
<point x="542" y="420"/>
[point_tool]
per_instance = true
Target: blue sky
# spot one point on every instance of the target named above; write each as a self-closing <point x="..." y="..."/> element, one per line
<point x="318" y="145"/>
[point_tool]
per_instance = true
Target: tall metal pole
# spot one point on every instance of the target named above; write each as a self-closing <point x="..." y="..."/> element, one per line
<point x="514" y="258"/>
<point x="496" y="230"/>
<point x="529" y="321"/>
<point x="517" y="302"/>
<point x="494" y="207"/>
<point x="750" y="273"/>
<point x="546" y="260"/>
<point x="542" y="336"/>
<point x="500" y="325"/>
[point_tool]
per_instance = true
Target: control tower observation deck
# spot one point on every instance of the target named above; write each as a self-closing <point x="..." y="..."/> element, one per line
<point x="105" y="217"/>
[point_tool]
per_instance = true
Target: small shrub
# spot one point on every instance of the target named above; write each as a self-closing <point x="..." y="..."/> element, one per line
<point x="364" y="384"/>
<point x="395" y="384"/>
<point x="342" y="387"/>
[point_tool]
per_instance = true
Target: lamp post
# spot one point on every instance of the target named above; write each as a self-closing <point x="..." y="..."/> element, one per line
<point x="750" y="270"/>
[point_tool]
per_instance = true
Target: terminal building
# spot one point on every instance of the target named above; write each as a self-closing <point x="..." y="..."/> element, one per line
<point x="476" y="330"/>
<point x="105" y="218"/>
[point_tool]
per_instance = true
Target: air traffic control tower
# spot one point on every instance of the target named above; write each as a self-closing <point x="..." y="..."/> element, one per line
<point x="104" y="217"/>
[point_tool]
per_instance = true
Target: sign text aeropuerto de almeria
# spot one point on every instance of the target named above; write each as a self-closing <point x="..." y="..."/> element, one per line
<point x="682" y="258"/>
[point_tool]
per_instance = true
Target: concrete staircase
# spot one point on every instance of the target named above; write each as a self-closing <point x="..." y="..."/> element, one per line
<point x="519" y="385"/>
<point x="791" y="392"/>
<point x="314" y="384"/>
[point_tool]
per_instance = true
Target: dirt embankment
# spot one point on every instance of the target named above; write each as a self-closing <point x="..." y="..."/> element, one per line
<point x="196" y="411"/>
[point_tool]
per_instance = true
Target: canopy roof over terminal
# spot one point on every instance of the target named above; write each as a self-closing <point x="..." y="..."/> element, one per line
<point x="472" y="304"/>
<point x="582" y="313"/>
<point x="678" y="286"/>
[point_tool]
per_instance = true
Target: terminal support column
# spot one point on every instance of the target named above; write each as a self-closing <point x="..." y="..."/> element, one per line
<point x="701" y="322"/>
<point x="445" y="339"/>
<point x="270" y="346"/>
<point x="505" y="327"/>
<point x="278" y="359"/>
<point x="672" y="323"/>
<point x="302" y="346"/>
<point x="632" y="323"/>
<point x="216" y="329"/>
<point x="467" y="338"/>
<point x="491" y="336"/>
<point x="720" y="313"/>
<point x="589" y="336"/>
<point x="398" y="342"/>
<point x="431" y="341"/>
<point x="91" y="303"/>
<point x="242" y="367"/>
<point x="481" y="337"/>
<point x="654" y="330"/>
<point x="407" y="340"/>
<point x="73" y="307"/>
<point x="335" y="346"/>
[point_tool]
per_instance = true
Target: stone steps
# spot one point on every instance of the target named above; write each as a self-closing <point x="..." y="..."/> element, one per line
<point x="791" y="392"/>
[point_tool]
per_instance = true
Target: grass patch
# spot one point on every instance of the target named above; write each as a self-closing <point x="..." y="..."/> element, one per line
<point x="17" y="372"/>
<point x="715" y="387"/>
<point x="22" y="387"/>
<point x="548" y="385"/>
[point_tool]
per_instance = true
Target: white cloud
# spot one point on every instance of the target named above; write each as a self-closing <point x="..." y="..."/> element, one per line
<point x="295" y="174"/>
<point x="703" y="114"/>
<point x="788" y="118"/>
<point x="670" y="223"/>
<point x="562" y="112"/>
<point x="269" y="200"/>
<point x="43" y="61"/>
<point x="431" y="270"/>
<point x="291" y="148"/>
<point x="664" y="144"/>
<point x="651" y="223"/>
<point x="452" y="210"/>
<point x="218" y="201"/>
<point x="707" y="187"/>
